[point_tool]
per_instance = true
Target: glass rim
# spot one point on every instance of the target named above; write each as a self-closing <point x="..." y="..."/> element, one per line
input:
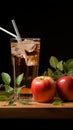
<point x="36" y="38"/>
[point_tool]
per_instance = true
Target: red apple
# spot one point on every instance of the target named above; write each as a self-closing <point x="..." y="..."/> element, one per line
<point x="43" y="88"/>
<point x="65" y="88"/>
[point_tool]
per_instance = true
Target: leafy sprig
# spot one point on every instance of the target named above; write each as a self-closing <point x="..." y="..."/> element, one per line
<point x="59" y="68"/>
<point x="9" y="90"/>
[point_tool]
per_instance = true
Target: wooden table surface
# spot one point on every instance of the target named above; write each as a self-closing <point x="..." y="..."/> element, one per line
<point x="35" y="110"/>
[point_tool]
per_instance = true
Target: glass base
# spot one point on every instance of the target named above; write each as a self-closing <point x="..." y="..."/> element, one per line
<point x="26" y="94"/>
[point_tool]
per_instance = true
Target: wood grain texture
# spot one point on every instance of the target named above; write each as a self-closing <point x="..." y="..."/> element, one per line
<point x="36" y="111"/>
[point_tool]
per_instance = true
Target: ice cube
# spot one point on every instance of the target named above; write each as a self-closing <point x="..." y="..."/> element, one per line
<point x="29" y="45"/>
<point x="15" y="50"/>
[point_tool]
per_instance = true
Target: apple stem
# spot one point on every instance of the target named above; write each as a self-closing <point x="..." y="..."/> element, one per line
<point x="45" y="73"/>
<point x="42" y="77"/>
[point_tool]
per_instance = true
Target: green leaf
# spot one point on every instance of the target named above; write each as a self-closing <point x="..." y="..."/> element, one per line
<point x="22" y="101"/>
<point x="7" y="94"/>
<point x="3" y="97"/>
<point x="60" y="65"/>
<point x="6" y="78"/>
<point x="70" y="72"/>
<point x="65" y="67"/>
<point x="19" y="89"/>
<point x="57" y="102"/>
<point x="57" y="74"/>
<point x="11" y="103"/>
<point x="8" y="89"/>
<point x="69" y="64"/>
<point x="53" y="61"/>
<point x="50" y="72"/>
<point x="19" y="79"/>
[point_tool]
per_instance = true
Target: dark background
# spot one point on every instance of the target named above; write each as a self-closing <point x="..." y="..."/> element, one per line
<point x="52" y="22"/>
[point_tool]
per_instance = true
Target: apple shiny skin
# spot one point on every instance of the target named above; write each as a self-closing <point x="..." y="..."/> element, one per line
<point x="65" y="88"/>
<point x="43" y="88"/>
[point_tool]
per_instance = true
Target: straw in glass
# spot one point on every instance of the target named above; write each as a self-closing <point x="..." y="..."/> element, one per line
<point x="4" y="30"/>
<point x="19" y="39"/>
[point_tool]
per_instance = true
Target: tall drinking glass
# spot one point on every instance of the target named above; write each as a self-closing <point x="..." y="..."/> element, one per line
<point x="28" y="65"/>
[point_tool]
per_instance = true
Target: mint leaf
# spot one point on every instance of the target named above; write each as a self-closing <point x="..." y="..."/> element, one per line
<point x="19" y="79"/>
<point x="8" y="89"/>
<point x="57" y="102"/>
<point x="11" y="103"/>
<point x="24" y="102"/>
<point x="3" y="97"/>
<point x="70" y="72"/>
<point x="57" y="74"/>
<point x="60" y="65"/>
<point x="65" y="67"/>
<point x="69" y="64"/>
<point x="19" y="89"/>
<point x="7" y="94"/>
<point x="53" y="61"/>
<point x="6" y="78"/>
<point x="50" y="72"/>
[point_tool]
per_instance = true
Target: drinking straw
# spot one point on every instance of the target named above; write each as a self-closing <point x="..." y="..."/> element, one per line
<point x="8" y="32"/>
<point x="17" y="32"/>
<point x="19" y="39"/>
